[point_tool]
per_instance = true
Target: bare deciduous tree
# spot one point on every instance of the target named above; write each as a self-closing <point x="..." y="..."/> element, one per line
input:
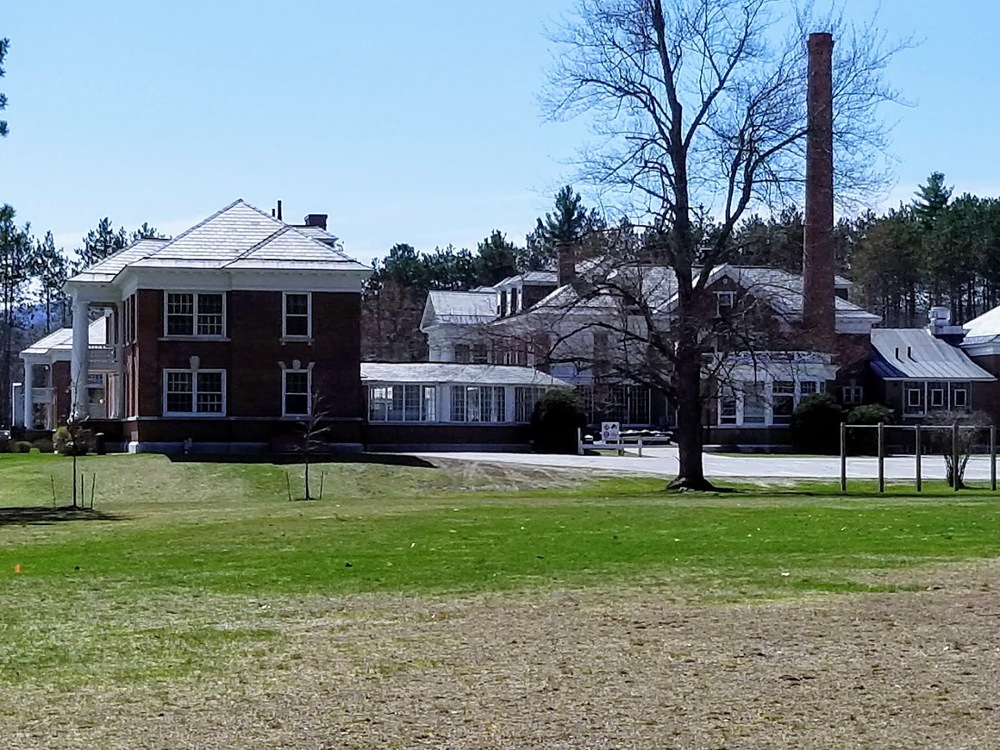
<point x="699" y="107"/>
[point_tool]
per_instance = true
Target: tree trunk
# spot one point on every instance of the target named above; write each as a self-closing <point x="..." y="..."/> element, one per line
<point x="691" y="471"/>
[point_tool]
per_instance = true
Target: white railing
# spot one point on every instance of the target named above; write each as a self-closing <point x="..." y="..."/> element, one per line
<point x="103" y="355"/>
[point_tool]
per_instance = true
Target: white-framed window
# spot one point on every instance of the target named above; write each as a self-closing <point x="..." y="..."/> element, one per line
<point x="724" y="303"/>
<point x="201" y="314"/>
<point x="852" y="394"/>
<point x="763" y="403"/>
<point x="782" y="401"/>
<point x="194" y="392"/>
<point x="628" y="404"/>
<point x="478" y="403"/>
<point x="296" y="393"/>
<point x="959" y="395"/>
<point x="938" y="396"/>
<point x="728" y="407"/>
<point x="525" y="398"/>
<point x="395" y="402"/>
<point x="913" y="399"/>
<point x="296" y="319"/>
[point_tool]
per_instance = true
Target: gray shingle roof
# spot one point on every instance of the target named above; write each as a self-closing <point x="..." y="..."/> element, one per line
<point x="237" y="237"/>
<point x="450" y="372"/>
<point x="62" y="340"/>
<point x="914" y="354"/>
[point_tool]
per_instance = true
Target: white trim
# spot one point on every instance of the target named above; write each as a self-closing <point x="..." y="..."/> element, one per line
<point x="194" y="372"/>
<point x="224" y="280"/>
<point x="284" y="317"/>
<point x="284" y="388"/>
<point x="195" y="303"/>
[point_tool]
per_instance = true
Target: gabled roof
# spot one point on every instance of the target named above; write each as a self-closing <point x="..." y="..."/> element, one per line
<point x="451" y="372"/>
<point x="914" y="354"/>
<point x="782" y="290"/>
<point x="461" y="308"/>
<point x="237" y="237"/>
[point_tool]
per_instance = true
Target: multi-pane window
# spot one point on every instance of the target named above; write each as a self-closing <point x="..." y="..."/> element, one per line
<point x="297" y="318"/>
<point x="480" y="354"/>
<point x="725" y="301"/>
<point x="525" y="398"/>
<point x="195" y="314"/>
<point x="402" y="403"/>
<point x="194" y="392"/>
<point x="628" y="404"/>
<point x="754" y="403"/>
<point x="782" y="401"/>
<point x="478" y="403"/>
<point x="852" y="394"/>
<point x="295" y="393"/>
<point x="41" y="376"/>
<point x="728" y="407"/>
<point x="463" y="353"/>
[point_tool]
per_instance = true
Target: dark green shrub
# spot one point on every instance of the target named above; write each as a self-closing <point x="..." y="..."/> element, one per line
<point x="44" y="445"/>
<point x="555" y="421"/>
<point x="865" y="442"/>
<point x="22" y="446"/>
<point x="815" y="424"/>
<point x="72" y="441"/>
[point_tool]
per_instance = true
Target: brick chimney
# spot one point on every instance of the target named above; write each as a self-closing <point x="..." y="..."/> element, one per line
<point x="817" y="260"/>
<point x="315" y="220"/>
<point x="566" y="259"/>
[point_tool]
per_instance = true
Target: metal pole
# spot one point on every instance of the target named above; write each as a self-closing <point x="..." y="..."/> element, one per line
<point x="993" y="458"/>
<point x="640" y="446"/>
<point x="843" y="457"/>
<point x="881" y="457"/>
<point x="954" y="455"/>
<point x="919" y="458"/>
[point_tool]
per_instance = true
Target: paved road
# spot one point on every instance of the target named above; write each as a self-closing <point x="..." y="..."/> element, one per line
<point x="662" y="461"/>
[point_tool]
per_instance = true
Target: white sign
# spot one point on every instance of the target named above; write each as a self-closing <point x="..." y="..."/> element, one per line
<point x="611" y="432"/>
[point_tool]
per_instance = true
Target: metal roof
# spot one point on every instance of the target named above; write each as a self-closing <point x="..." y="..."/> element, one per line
<point x="452" y="372"/>
<point x="914" y="354"/>
<point x="467" y="308"/>
<point x="983" y="329"/>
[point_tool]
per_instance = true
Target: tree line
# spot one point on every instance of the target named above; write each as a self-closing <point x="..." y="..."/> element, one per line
<point x="33" y="273"/>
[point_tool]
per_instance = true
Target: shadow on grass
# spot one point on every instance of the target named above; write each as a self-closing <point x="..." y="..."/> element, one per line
<point x="43" y="516"/>
<point x="385" y="459"/>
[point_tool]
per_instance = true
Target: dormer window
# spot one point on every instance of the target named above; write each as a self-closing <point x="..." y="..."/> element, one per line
<point x="725" y="302"/>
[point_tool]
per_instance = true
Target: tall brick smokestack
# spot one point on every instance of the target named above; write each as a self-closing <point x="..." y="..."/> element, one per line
<point x="817" y="258"/>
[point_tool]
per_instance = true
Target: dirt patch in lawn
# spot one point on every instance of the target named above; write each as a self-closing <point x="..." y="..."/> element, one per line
<point x="587" y="669"/>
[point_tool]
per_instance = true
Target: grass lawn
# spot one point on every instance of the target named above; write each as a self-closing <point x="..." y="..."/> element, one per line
<point x="187" y="569"/>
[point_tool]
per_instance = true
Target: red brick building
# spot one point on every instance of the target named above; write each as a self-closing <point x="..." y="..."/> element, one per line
<point x="225" y="338"/>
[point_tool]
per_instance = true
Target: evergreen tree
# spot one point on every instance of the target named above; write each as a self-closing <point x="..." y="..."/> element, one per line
<point x="101" y="242"/>
<point x="16" y="264"/>
<point x="931" y="199"/>
<point x="51" y="270"/>
<point x="496" y="259"/>
<point x="4" y="46"/>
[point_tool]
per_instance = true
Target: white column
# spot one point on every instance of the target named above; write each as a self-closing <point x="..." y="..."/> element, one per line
<point x="28" y="394"/>
<point x="80" y="364"/>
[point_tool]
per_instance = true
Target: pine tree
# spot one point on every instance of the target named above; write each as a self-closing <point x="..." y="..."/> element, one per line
<point x="4" y="46"/>
<point x="51" y="270"/>
<point x="931" y="199"/>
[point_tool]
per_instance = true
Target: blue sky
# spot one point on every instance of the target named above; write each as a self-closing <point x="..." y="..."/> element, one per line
<point x="405" y="121"/>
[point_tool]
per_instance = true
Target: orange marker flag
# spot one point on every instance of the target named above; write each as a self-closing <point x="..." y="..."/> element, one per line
<point x="17" y="568"/>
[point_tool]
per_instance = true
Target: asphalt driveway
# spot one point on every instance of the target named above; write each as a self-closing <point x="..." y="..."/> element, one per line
<point x="662" y="461"/>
